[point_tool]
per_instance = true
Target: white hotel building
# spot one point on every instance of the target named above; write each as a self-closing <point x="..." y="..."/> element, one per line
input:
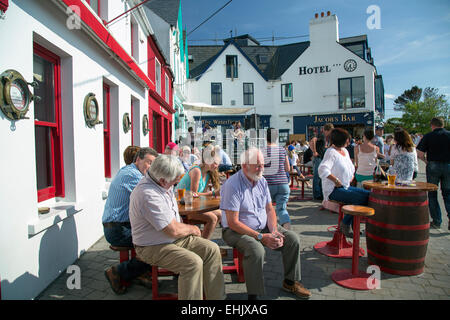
<point x="296" y="88"/>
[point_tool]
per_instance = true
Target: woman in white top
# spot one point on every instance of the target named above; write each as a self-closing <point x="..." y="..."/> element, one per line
<point x="336" y="171"/>
<point x="404" y="155"/>
<point x="366" y="155"/>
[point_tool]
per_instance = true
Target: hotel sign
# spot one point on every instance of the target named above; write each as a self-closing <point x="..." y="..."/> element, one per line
<point x="310" y="70"/>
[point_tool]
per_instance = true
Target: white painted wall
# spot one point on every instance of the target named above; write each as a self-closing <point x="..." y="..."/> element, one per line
<point x="28" y="264"/>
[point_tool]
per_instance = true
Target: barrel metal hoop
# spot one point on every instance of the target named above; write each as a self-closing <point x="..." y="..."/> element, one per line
<point x="397" y="242"/>
<point x="397" y="226"/>
<point x="399" y="203"/>
<point x="391" y="259"/>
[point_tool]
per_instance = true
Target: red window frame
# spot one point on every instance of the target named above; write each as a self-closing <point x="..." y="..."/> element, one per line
<point x="107" y="130"/>
<point x="57" y="166"/>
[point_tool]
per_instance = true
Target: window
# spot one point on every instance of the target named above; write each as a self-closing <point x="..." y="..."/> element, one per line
<point x="47" y="124"/>
<point x="216" y="93"/>
<point x="158" y="76"/>
<point x="95" y="5"/>
<point x="134" y="40"/>
<point x="232" y="67"/>
<point x="248" y="94"/>
<point x="286" y="92"/>
<point x="167" y="93"/>
<point x="351" y="93"/>
<point x="107" y="129"/>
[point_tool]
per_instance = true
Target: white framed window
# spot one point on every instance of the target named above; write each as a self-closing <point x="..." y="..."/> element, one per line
<point x="158" y="76"/>
<point x="286" y="92"/>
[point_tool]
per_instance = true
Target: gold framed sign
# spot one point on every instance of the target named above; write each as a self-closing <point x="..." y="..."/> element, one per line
<point x="91" y="110"/>
<point x="126" y="122"/>
<point x="145" y="128"/>
<point x="15" y="97"/>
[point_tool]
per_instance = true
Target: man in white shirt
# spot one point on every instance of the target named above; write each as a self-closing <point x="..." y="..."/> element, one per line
<point x="161" y="239"/>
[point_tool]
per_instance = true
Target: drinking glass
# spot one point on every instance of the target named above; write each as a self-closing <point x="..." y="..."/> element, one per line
<point x="188" y="199"/>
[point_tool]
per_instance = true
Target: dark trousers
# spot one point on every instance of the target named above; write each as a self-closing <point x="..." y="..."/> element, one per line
<point x="120" y="235"/>
<point x="438" y="172"/>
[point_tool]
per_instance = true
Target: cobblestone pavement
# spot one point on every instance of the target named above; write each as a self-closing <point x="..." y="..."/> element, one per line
<point x="311" y="224"/>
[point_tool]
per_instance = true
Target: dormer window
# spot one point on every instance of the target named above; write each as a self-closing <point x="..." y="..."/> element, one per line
<point x="262" y="58"/>
<point x="232" y="67"/>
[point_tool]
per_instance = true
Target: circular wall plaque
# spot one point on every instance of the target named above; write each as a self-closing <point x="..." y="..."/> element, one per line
<point x="15" y="97"/>
<point x="126" y="122"/>
<point x="145" y="128"/>
<point x="91" y="110"/>
<point x="350" y="65"/>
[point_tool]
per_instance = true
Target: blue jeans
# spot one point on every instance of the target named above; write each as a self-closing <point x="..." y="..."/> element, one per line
<point x="438" y="172"/>
<point x="280" y="194"/>
<point x="351" y="195"/>
<point x="317" y="182"/>
<point x="120" y="236"/>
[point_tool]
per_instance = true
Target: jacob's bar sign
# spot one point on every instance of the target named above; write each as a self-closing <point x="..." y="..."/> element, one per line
<point x="342" y="118"/>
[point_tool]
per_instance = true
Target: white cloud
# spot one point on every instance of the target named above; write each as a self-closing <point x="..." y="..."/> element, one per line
<point x="389" y="96"/>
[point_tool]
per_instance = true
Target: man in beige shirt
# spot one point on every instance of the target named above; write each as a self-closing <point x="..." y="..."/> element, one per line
<point x="161" y="238"/>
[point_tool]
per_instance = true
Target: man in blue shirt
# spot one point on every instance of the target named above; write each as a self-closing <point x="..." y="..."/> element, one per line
<point x="116" y="220"/>
<point x="250" y="224"/>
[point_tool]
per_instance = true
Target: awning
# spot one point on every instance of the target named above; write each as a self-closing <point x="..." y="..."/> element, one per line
<point x="203" y="107"/>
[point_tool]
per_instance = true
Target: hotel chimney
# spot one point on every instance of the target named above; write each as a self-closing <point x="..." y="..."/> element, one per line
<point x="323" y="29"/>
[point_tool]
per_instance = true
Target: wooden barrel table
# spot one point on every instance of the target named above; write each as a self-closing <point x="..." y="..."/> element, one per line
<point x="397" y="235"/>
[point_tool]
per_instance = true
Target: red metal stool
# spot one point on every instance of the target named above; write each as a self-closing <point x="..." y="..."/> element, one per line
<point x="125" y="254"/>
<point x="292" y="174"/>
<point x="236" y="266"/>
<point x="338" y="247"/>
<point x="156" y="271"/>
<point x="302" y="197"/>
<point x="354" y="278"/>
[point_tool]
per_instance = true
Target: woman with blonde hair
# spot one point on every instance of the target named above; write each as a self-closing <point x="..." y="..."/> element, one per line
<point x="197" y="179"/>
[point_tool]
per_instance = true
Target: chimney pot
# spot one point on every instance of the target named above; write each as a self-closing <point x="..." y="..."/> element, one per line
<point x="322" y="14"/>
<point x="328" y="13"/>
<point x="317" y="15"/>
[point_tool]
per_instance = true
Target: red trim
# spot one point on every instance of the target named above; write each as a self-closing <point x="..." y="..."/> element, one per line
<point x="391" y="259"/>
<point x="132" y="124"/>
<point x="57" y="189"/>
<point x="399" y="194"/>
<point x="397" y="242"/>
<point x="4" y="5"/>
<point x="398" y="203"/>
<point x="397" y="226"/>
<point x="100" y="30"/>
<point x="398" y="272"/>
<point x="107" y="133"/>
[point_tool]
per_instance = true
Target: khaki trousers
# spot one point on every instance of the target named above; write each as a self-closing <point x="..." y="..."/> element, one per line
<point x="197" y="261"/>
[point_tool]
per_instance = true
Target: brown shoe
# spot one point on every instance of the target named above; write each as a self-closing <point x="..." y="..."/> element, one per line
<point x="297" y="289"/>
<point x="145" y="280"/>
<point x="114" y="281"/>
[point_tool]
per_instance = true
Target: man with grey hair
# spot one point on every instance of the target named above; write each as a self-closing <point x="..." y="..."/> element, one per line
<point x="250" y="224"/>
<point x="116" y="221"/>
<point x="161" y="239"/>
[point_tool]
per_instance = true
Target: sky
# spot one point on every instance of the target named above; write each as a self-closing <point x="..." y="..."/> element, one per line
<point x="410" y="47"/>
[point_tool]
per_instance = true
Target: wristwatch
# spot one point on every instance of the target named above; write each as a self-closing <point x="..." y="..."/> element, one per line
<point x="259" y="236"/>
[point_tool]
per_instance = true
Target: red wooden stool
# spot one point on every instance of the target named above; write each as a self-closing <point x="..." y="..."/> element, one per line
<point x="236" y="266"/>
<point x="125" y="254"/>
<point x="338" y="247"/>
<point x="156" y="271"/>
<point x="293" y="174"/>
<point x="354" y="278"/>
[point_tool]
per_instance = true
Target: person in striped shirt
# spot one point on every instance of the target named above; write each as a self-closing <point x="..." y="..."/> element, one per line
<point x="275" y="168"/>
<point x="116" y="220"/>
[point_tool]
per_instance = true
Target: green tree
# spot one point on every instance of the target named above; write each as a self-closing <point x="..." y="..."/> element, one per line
<point x="418" y="110"/>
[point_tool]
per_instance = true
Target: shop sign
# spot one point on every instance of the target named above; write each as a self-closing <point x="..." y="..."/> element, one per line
<point x="342" y="118"/>
<point x="164" y="111"/>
